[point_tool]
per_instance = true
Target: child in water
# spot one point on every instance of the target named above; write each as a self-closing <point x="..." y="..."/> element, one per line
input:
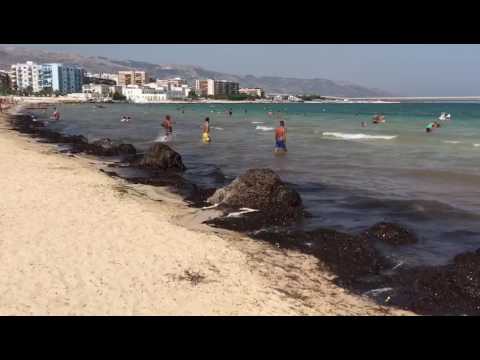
<point x="206" y="131"/>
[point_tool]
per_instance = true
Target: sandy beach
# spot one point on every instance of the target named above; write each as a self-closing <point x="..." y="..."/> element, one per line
<point x="74" y="241"/>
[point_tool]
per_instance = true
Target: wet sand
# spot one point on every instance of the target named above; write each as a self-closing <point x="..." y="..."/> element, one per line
<point x="74" y="241"/>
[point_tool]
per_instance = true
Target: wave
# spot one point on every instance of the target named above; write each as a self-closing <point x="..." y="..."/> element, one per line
<point x="358" y="136"/>
<point x="264" y="128"/>
<point x="257" y="122"/>
<point x="476" y="145"/>
<point x="452" y="142"/>
<point x="217" y="128"/>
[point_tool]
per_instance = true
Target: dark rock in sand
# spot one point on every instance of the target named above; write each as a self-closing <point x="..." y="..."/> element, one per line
<point x="346" y="255"/>
<point x="260" y="189"/>
<point x="391" y="233"/>
<point x="127" y="149"/>
<point x="102" y="147"/>
<point x="453" y="289"/>
<point x="107" y="147"/>
<point x="163" y="157"/>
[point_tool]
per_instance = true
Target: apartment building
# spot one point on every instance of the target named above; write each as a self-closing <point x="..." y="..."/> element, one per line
<point x="126" y="78"/>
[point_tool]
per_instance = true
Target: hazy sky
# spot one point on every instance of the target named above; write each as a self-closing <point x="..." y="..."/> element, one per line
<point x="429" y="70"/>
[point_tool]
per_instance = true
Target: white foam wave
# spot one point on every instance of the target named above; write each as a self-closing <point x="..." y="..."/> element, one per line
<point x="476" y="145"/>
<point x="217" y="128"/>
<point x="452" y="142"/>
<point x="358" y="136"/>
<point x="257" y="122"/>
<point x="264" y="128"/>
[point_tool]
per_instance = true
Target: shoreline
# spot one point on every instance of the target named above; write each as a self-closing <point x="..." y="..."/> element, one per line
<point x="142" y="251"/>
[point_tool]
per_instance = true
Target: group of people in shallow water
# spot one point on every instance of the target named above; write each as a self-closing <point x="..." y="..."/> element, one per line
<point x="380" y="119"/>
<point x="280" y="133"/>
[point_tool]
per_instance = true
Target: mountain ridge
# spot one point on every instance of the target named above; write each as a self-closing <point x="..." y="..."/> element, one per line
<point x="271" y="84"/>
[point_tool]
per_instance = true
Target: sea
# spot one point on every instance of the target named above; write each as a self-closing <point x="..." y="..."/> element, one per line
<point x="349" y="177"/>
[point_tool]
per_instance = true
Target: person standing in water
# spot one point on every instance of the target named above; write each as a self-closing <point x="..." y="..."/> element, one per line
<point x="168" y="126"/>
<point x="281" y="137"/>
<point x="430" y="127"/>
<point x="206" y="131"/>
<point x="56" y="114"/>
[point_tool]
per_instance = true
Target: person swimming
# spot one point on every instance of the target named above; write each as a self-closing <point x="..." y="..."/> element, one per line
<point x="206" y="131"/>
<point x="378" y="119"/>
<point x="281" y="137"/>
<point x="364" y="124"/>
<point x="124" y="118"/>
<point x="430" y="127"/>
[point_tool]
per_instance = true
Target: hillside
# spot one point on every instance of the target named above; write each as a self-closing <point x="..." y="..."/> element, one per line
<point x="13" y="54"/>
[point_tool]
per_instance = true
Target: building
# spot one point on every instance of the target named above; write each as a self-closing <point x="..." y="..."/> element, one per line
<point x="176" y="89"/>
<point x="65" y="79"/>
<point x="254" y="92"/>
<point x="98" y="91"/>
<point x="216" y="88"/>
<point x="4" y="81"/>
<point x="126" y="78"/>
<point x="175" y="82"/>
<point x="25" y="76"/>
<point x="204" y="88"/>
<point x="143" y="94"/>
<point x="104" y="76"/>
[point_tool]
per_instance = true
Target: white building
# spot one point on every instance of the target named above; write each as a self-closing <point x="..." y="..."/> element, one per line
<point x="25" y="75"/>
<point x="258" y="92"/>
<point x="97" y="90"/>
<point x="143" y="94"/>
<point x="175" y="88"/>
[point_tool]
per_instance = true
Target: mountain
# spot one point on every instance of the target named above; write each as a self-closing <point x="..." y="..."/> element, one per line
<point x="271" y="84"/>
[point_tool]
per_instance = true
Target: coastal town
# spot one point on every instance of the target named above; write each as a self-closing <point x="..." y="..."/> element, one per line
<point x="73" y="83"/>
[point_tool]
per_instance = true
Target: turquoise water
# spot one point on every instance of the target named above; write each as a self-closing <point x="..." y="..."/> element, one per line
<point x="349" y="176"/>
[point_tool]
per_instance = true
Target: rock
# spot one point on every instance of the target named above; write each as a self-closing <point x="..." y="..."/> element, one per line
<point x="391" y="233"/>
<point x="74" y="139"/>
<point x="102" y="147"/>
<point x="452" y="289"/>
<point x="161" y="156"/>
<point x="347" y="256"/>
<point x="260" y="189"/>
<point x="127" y="149"/>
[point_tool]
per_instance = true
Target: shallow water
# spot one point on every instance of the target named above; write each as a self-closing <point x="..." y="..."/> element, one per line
<point x="349" y="177"/>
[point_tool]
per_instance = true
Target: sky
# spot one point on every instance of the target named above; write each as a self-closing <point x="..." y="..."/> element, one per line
<point x="410" y="70"/>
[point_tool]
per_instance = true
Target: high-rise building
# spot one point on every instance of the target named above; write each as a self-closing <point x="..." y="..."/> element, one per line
<point x="25" y="75"/>
<point x="63" y="78"/>
<point x="4" y="81"/>
<point x="210" y="87"/>
<point x="126" y="78"/>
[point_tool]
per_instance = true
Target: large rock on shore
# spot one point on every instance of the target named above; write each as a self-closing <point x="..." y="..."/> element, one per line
<point x="163" y="157"/>
<point x="107" y="147"/>
<point x="260" y="189"/>
<point x="391" y="233"/>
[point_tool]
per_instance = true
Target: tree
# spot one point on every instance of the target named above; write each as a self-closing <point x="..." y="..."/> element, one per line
<point x="192" y="95"/>
<point x="118" y="97"/>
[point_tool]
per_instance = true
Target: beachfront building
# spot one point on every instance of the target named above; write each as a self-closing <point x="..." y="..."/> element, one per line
<point x="143" y="94"/>
<point x="254" y="92"/>
<point x="175" y="82"/>
<point x="126" y="78"/>
<point x="65" y="79"/>
<point x="98" y="91"/>
<point x="25" y="76"/>
<point x="216" y="88"/>
<point x="103" y="76"/>
<point x="4" y="81"/>
<point x="176" y="89"/>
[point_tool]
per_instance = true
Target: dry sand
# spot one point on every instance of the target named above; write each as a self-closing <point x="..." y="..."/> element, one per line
<point x="75" y="241"/>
